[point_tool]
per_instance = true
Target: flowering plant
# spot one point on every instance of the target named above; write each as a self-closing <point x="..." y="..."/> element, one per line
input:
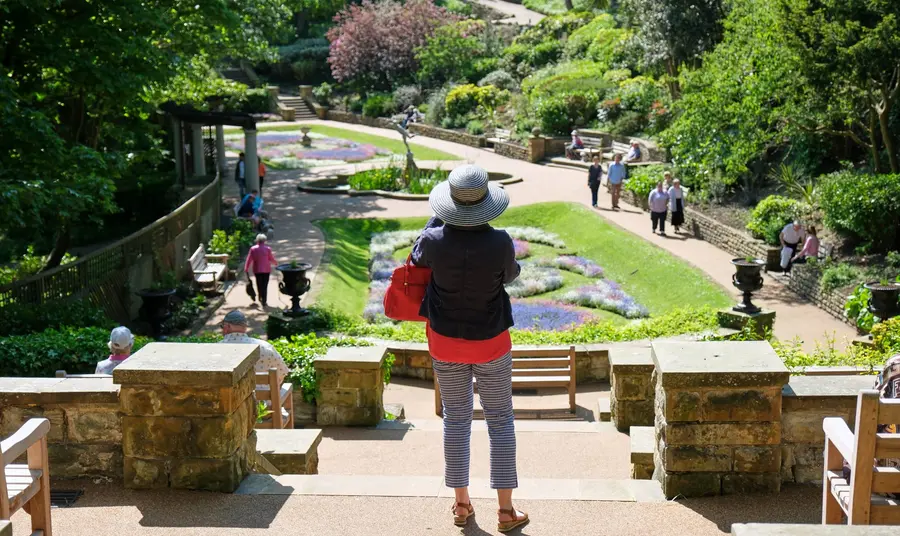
<point x="533" y="234"/>
<point x="547" y="315"/>
<point x="606" y="295"/>
<point x="534" y="279"/>
<point x="574" y="263"/>
<point x="521" y="248"/>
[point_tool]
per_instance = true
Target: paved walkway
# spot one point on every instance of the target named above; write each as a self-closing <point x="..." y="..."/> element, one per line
<point x="517" y="13"/>
<point x="298" y="238"/>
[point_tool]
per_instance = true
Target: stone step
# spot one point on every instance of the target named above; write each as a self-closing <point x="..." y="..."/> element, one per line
<point x="603" y="411"/>
<point x="433" y="486"/>
<point x="290" y="451"/>
<point x="643" y="441"/>
<point x="563" y="161"/>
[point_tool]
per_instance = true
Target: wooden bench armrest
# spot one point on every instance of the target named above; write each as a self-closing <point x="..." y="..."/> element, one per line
<point x="206" y="271"/>
<point x="837" y="431"/>
<point x="30" y="433"/>
<point x="217" y="256"/>
<point x="287" y="391"/>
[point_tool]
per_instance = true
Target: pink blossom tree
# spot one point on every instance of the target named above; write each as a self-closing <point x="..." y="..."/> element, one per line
<point x="373" y="43"/>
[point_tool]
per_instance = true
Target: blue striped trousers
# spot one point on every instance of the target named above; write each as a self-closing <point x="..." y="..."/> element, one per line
<point x="495" y="393"/>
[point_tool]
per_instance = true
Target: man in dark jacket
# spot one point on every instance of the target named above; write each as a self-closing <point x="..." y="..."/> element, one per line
<point x="595" y="173"/>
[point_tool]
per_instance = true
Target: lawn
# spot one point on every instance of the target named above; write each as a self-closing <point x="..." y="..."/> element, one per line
<point x="656" y="279"/>
<point x="395" y="146"/>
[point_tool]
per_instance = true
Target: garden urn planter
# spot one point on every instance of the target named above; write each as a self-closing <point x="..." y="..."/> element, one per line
<point x="294" y="283"/>
<point x="748" y="280"/>
<point x="155" y="308"/>
<point x="883" y="302"/>
<point x="305" y="141"/>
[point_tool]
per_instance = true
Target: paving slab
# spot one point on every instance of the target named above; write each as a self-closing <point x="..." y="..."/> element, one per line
<point x="643" y="443"/>
<point x="759" y="529"/>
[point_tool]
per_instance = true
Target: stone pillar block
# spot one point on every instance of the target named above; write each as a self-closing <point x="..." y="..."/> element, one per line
<point x="731" y="319"/>
<point x="188" y="415"/>
<point x="537" y="148"/>
<point x="351" y="386"/>
<point x="632" y="392"/>
<point x="718" y="417"/>
<point x="306" y="91"/>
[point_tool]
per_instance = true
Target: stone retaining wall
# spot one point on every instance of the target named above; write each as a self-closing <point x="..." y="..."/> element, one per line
<point x="512" y="150"/>
<point x="806" y="280"/>
<point x="631" y="392"/>
<point x="455" y="136"/>
<point x="85" y="437"/>
<point x="356" y="119"/>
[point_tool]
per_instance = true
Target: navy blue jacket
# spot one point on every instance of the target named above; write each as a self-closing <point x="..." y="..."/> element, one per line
<point x="469" y="266"/>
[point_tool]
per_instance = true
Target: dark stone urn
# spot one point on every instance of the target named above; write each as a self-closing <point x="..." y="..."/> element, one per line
<point x="748" y="280"/>
<point x="294" y="284"/>
<point x="883" y="302"/>
<point x="155" y="308"/>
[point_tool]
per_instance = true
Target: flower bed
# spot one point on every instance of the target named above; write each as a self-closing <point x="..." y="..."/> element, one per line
<point x="386" y="182"/>
<point x="547" y="315"/>
<point x="606" y="295"/>
<point x="283" y="149"/>
<point x="534" y="280"/>
<point x="574" y="263"/>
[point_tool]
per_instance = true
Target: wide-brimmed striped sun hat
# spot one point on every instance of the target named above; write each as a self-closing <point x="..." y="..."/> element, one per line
<point x="467" y="199"/>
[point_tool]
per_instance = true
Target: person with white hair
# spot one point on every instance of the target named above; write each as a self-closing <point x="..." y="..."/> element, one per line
<point x="121" y="341"/>
<point x="571" y="150"/>
<point x="260" y="261"/>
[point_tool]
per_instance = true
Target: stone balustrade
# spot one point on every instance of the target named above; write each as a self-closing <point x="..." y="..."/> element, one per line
<point x="351" y="386"/>
<point x="632" y="392"/>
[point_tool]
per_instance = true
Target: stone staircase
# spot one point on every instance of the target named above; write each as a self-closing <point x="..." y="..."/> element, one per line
<point x="236" y="74"/>
<point x="302" y="110"/>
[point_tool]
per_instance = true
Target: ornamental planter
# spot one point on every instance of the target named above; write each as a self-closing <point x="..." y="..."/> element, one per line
<point x="294" y="284"/>
<point x="155" y="308"/>
<point x="883" y="302"/>
<point x="748" y="280"/>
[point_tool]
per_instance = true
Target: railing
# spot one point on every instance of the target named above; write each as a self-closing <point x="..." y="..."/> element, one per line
<point x="101" y="276"/>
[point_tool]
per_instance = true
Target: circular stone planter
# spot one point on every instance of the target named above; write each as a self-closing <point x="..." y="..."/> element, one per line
<point x="338" y="185"/>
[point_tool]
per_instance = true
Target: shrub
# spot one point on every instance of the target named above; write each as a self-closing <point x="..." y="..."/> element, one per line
<point x="451" y="52"/>
<point x="436" y="106"/>
<point x="406" y="96"/>
<point x="642" y="180"/>
<point x="475" y="127"/>
<point x="27" y="265"/>
<point x="771" y="215"/>
<point x="299" y="353"/>
<point x="382" y="178"/>
<point x="323" y="93"/>
<point x="559" y="113"/>
<point x="542" y="44"/>
<point x="499" y="79"/>
<point x="378" y="105"/>
<point x="856" y="308"/>
<point x="468" y="99"/>
<point x="578" y="43"/>
<point x="863" y="207"/>
<point x="636" y="104"/>
<point x="573" y="76"/>
<point x="838" y="276"/>
<point x="25" y="318"/>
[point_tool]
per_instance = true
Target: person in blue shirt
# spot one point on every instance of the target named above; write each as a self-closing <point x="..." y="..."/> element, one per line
<point x="615" y="175"/>
<point x="249" y="207"/>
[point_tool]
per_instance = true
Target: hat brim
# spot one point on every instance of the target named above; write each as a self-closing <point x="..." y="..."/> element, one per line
<point x="443" y="206"/>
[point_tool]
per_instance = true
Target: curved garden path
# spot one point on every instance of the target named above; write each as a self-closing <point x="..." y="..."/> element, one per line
<point x="516" y="13"/>
<point x="297" y="237"/>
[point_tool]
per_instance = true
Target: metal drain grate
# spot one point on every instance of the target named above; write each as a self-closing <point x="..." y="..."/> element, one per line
<point x="63" y="498"/>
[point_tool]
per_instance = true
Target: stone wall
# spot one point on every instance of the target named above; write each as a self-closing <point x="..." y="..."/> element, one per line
<point x="631" y="393"/>
<point x="356" y="119"/>
<point x="351" y="386"/>
<point x="512" y="150"/>
<point x="85" y="437"/>
<point x="455" y="136"/>
<point x="806" y="280"/>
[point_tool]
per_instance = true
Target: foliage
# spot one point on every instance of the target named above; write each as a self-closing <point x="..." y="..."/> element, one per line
<point x="262" y="411"/>
<point x="863" y="207"/>
<point x="559" y="114"/>
<point x="299" y="352"/>
<point x="499" y="79"/>
<point x="463" y="101"/>
<point x="26" y="265"/>
<point x="378" y="105"/>
<point x="450" y="53"/>
<point x="838" y="275"/>
<point x="533" y="280"/>
<point x="856" y="308"/>
<point x="323" y="93"/>
<point x="475" y="127"/>
<point x="436" y="106"/>
<point x="636" y="105"/>
<point x="541" y="44"/>
<point x="642" y="180"/>
<point x="406" y="96"/>
<point x="797" y="184"/>
<point x="41" y="354"/>
<point x="578" y="42"/>
<point x="572" y="76"/>
<point x="305" y="60"/>
<point x="373" y="44"/>
<point x="827" y="354"/>
<point x="771" y="215"/>
<point x="25" y="318"/>
<point x="185" y="313"/>
<point x="395" y="178"/>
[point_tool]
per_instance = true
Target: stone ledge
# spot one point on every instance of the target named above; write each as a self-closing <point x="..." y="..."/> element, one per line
<point x="827" y="386"/>
<point x="635" y="360"/>
<point x="604" y="413"/>
<point x="188" y="364"/>
<point x="290" y="451"/>
<point x="643" y="443"/>
<point x="717" y="364"/>
<point x="766" y="529"/>
<point x="352" y="357"/>
<point x="45" y="391"/>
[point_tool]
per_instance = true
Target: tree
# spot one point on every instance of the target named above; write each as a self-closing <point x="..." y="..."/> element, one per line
<point x="85" y="77"/>
<point x="450" y="53"/>
<point x="373" y="44"/>
<point x="850" y="64"/>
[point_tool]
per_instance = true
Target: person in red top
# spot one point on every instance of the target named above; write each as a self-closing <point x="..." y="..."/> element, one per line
<point x="262" y="175"/>
<point x="260" y="261"/>
<point x="468" y="316"/>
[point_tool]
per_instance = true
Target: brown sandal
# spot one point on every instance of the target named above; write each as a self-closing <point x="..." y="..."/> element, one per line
<point x="460" y="521"/>
<point x="514" y="523"/>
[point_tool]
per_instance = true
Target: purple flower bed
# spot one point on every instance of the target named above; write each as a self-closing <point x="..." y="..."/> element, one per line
<point x="521" y="248"/>
<point x="381" y="267"/>
<point x="574" y="263"/>
<point x="547" y="315"/>
<point x="273" y="145"/>
<point x="374" y="309"/>
<point x="606" y="295"/>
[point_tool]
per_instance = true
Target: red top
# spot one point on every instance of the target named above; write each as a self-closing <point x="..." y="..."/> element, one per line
<point x="261" y="259"/>
<point x="454" y="350"/>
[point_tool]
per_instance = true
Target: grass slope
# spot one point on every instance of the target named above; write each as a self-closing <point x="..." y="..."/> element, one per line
<point x="395" y="146"/>
<point x="654" y="277"/>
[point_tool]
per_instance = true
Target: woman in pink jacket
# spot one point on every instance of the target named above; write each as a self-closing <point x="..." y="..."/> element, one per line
<point x="260" y="261"/>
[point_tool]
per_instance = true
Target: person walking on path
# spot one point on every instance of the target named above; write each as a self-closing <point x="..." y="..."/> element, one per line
<point x="676" y="204"/>
<point x="240" y="175"/>
<point x="614" y="177"/>
<point x="659" y="205"/>
<point x="468" y="316"/>
<point x="262" y="176"/>
<point x="260" y="261"/>
<point x="595" y="173"/>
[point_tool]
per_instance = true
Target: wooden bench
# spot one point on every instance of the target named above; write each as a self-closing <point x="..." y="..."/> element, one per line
<point x="278" y="397"/>
<point x="593" y="146"/>
<point x="206" y="273"/>
<point x="862" y="499"/>
<point x="536" y="368"/>
<point x="500" y="134"/>
<point x="27" y="485"/>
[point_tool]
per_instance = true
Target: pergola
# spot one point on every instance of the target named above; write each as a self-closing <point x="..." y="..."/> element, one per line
<point x="197" y="119"/>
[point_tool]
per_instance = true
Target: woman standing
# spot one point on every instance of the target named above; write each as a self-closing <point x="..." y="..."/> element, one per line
<point x="595" y="174"/>
<point x="676" y="203"/>
<point x="469" y="315"/>
<point x="659" y="205"/>
<point x="260" y="261"/>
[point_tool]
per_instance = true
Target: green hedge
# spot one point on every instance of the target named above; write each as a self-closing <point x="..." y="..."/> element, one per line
<point x="22" y="319"/>
<point x="642" y="180"/>
<point x="863" y="207"/>
<point x="772" y="214"/>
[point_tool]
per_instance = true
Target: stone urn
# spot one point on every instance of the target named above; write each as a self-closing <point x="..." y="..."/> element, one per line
<point x="294" y="284"/>
<point x="305" y="141"/>
<point x="884" y="300"/>
<point x="155" y="308"/>
<point x="748" y="280"/>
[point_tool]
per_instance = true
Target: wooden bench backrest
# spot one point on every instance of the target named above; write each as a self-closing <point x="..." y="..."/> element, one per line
<point x="867" y="478"/>
<point x="33" y="432"/>
<point x="544" y="362"/>
<point x="198" y="259"/>
<point x="592" y="141"/>
<point x="502" y="133"/>
<point x="269" y="378"/>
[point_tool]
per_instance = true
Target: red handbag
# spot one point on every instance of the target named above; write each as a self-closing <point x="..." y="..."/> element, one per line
<point x="406" y="291"/>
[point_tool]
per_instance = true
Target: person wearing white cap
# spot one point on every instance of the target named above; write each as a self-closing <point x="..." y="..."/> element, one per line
<point x="468" y="316"/>
<point x="234" y="329"/>
<point x="576" y="144"/>
<point x="121" y="341"/>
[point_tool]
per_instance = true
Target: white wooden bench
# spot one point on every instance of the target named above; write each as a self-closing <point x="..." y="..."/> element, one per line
<point x="206" y="273"/>
<point x="278" y="397"/>
<point x="863" y="499"/>
<point x="534" y="368"/>
<point x="27" y="485"/>
<point x="500" y="135"/>
<point x="593" y="146"/>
